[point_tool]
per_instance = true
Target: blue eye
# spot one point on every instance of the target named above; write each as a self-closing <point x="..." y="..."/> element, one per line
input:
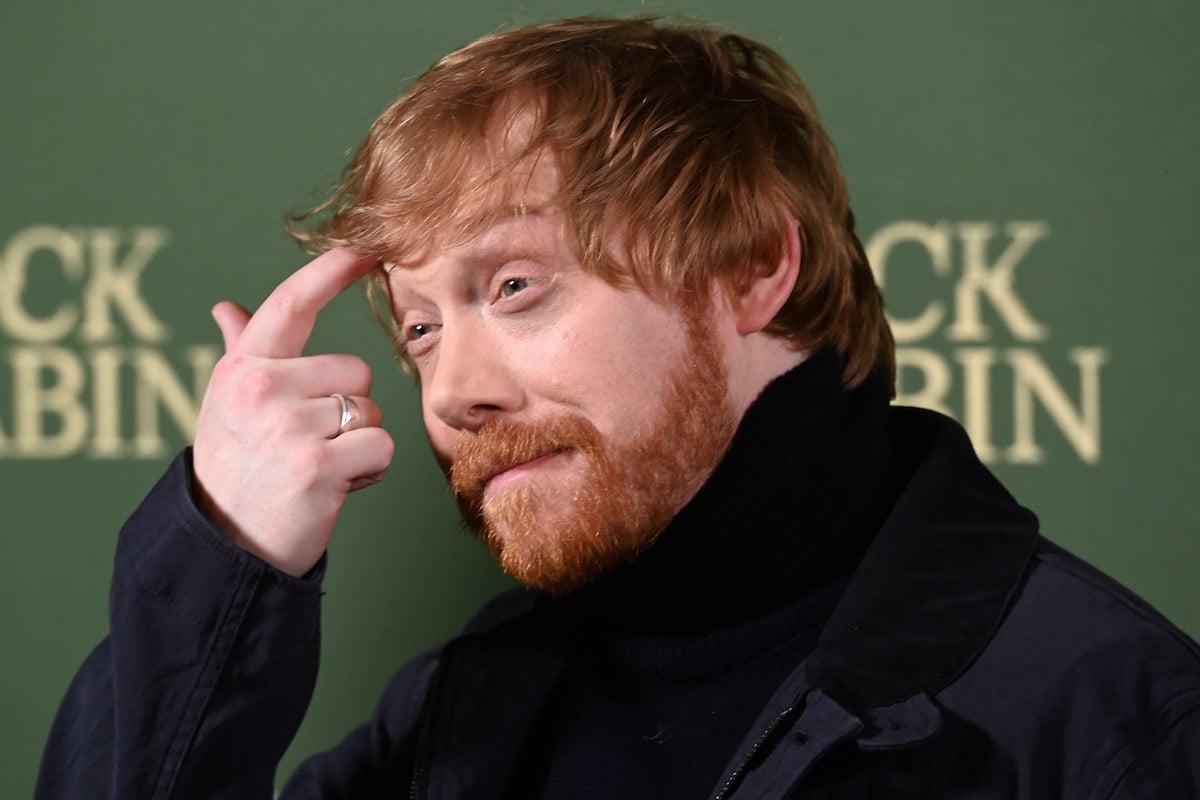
<point x="512" y="286"/>
<point x="414" y="332"/>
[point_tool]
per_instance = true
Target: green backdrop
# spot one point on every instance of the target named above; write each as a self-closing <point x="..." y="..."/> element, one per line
<point x="1024" y="173"/>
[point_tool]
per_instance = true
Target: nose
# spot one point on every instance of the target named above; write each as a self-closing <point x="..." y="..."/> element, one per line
<point x="471" y="380"/>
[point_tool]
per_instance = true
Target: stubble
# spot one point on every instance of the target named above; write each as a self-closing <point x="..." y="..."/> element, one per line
<point x="558" y="535"/>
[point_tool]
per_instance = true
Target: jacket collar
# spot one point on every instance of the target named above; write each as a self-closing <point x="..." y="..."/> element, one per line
<point x="945" y="567"/>
<point x="924" y="601"/>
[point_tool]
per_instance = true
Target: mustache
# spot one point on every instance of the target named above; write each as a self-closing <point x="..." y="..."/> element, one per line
<point x="500" y="445"/>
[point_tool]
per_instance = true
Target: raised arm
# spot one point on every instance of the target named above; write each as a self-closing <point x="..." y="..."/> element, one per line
<point x="272" y="466"/>
<point x="214" y="611"/>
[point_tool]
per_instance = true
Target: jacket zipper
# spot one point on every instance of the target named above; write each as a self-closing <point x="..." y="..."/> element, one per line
<point x="421" y="754"/>
<point x="737" y="774"/>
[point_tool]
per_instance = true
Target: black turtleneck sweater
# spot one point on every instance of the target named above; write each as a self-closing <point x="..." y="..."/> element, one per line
<point x="674" y="654"/>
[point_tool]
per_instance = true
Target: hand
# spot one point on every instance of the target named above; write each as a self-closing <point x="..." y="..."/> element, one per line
<point x="272" y="469"/>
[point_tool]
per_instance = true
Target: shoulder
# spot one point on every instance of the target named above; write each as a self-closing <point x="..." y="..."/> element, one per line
<point x="1059" y="577"/>
<point x="1083" y="678"/>
<point x="1070" y="627"/>
<point x="1069" y="618"/>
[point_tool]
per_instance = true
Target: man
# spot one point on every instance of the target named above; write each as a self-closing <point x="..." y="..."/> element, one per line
<point x="619" y="258"/>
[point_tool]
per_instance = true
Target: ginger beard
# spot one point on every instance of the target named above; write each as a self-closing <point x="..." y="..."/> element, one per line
<point x="560" y="534"/>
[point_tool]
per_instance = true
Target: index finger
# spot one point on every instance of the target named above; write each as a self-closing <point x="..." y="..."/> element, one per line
<point x="282" y="324"/>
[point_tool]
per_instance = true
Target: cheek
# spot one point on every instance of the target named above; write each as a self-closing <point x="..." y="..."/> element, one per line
<point x="559" y="367"/>
<point x="616" y="372"/>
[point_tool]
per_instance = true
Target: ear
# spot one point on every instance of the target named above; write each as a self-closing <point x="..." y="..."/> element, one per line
<point x="766" y="294"/>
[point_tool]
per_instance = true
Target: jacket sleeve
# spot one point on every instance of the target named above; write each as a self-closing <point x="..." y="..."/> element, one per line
<point x="205" y="675"/>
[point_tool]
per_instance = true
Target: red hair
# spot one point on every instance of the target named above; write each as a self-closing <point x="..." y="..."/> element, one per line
<point x="689" y="146"/>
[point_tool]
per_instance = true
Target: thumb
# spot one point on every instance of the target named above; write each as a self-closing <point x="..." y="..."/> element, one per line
<point x="231" y="318"/>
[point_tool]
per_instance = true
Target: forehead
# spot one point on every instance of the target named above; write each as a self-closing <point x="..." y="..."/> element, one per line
<point x="507" y="175"/>
<point x="530" y="186"/>
<point x="519" y="210"/>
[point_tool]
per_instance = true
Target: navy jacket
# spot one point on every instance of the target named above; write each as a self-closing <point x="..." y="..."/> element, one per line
<point x="967" y="658"/>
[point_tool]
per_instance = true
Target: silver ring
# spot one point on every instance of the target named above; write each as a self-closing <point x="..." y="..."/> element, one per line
<point x="347" y="412"/>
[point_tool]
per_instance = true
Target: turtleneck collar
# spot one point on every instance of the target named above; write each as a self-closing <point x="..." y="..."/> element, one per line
<point x="799" y="493"/>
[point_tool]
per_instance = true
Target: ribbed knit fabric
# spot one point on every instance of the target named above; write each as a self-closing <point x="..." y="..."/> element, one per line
<point x="674" y="654"/>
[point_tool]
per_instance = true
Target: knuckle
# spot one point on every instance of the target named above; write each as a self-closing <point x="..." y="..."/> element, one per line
<point x="358" y="372"/>
<point x="259" y="386"/>
<point x="228" y="367"/>
<point x="385" y="443"/>
<point x="286" y="302"/>
<point x="382" y="444"/>
<point x="308" y="462"/>
<point x="278" y="428"/>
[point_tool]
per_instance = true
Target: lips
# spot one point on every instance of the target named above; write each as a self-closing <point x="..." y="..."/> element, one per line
<point x="497" y="479"/>
<point x="490" y="473"/>
<point x="503" y="451"/>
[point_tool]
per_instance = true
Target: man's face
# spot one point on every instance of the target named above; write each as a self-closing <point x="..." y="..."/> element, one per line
<point x="575" y="418"/>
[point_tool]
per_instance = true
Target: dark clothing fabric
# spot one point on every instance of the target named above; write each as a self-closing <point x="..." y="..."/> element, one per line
<point x="670" y="656"/>
<point x="937" y="647"/>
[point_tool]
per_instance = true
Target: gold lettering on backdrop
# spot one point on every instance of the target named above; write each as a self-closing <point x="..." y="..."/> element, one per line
<point x="965" y="381"/>
<point x="15" y="319"/>
<point x="114" y="284"/>
<point x="1081" y="426"/>
<point x="936" y="241"/>
<point x="994" y="280"/>
<point x="38" y="402"/>
<point x="85" y="372"/>
<point x="159" y="387"/>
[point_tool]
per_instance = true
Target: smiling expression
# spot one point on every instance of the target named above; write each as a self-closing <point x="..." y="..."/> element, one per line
<point x="574" y="417"/>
